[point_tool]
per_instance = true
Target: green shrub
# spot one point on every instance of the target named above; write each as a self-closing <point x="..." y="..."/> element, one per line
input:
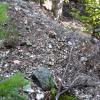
<point x="90" y="15"/>
<point x="9" y="88"/>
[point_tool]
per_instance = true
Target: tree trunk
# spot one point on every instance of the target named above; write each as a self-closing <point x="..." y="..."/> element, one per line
<point x="57" y="7"/>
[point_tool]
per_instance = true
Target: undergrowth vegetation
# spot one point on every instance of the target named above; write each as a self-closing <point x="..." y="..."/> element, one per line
<point x="7" y="29"/>
<point x="9" y="88"/>
<point x="3" y="18"/>
<point x="64" y="96"/>
<point x="3" y="12"/>
<point x="88" y="12"/>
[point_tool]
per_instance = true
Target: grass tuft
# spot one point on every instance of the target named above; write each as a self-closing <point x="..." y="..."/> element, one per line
<point x="3" y="12"/>
<point x="9" y="87"/>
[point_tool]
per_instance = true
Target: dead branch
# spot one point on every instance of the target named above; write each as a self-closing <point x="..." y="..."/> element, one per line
<point x="59" y="89"/>
<point x="73" y="85"/>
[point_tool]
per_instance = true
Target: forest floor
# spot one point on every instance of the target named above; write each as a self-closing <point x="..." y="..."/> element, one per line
<point x="44" y="41"/>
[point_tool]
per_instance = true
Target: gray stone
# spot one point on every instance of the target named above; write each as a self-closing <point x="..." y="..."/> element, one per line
<point x="40" y="95"/>
<point x="28" y="89"/>
<point x="83" y="59"/>
<point x="43" y="78"/>
<point x="1" y="43"/>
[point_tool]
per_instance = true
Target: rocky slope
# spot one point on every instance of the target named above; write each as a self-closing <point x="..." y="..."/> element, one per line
<point x="44" y="41"/>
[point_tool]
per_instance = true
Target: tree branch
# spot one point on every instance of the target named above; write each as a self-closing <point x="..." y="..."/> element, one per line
<point x="59" y="89"/>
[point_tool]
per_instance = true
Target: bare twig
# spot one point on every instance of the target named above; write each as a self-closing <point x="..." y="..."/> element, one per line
<point x="59" y="89"/>
<point x="72" y="84"/>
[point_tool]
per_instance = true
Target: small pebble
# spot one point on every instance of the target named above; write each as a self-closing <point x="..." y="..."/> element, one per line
<point x="40" y="96"/>
<point x="69" y="43"/>
<point x="50" y="46"/>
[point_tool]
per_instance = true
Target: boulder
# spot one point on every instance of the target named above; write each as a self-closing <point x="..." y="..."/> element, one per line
<point x="43" y="78"/>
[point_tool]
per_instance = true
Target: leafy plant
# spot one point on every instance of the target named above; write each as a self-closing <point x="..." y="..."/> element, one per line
<point x="90" y="15"/>
<point x="9" y="88"/>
